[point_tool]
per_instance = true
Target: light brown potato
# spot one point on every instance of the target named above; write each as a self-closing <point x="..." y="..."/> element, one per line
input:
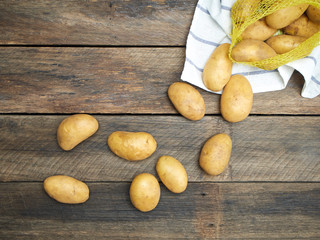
<point x="283" y="17"/>
<point x="236" y="99"/>
<point x="250" y="50"/>
<point x="66" y="189"/>
<point x="132" y="146"/>
<point x="75" y="129"/>
<point x="313" y="14"/>
<point x="145" y="192"/>
<point x="215" y="154"/>
<point x="187" y="100"/>
<point x="302" y="27"/>
<point x="284" y="43"/>
<point x="217" y="71"/>
<point x="258" y="31"/>
<point x="172" y="174"/>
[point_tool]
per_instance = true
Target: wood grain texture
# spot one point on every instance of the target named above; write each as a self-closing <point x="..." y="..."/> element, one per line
<point x="203" y="211"/>
<point x="96" y="22"/>
<point x="264" y="148"/>
<point x="114" y="80"/>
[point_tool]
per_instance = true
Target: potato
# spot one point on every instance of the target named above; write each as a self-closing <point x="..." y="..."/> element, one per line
<point x="132" y="146"/>
<point x="66" y="189"/>
<point x="284" y="43"/>
<point x="258" y="31"/>
<point x="172" y="174"/>
<point x="313" y="14"/>
<point x="187" y="100"/>
<point x="283" y="17"/>
<point x="145" y="192"/>
<point x="217" y="71"/>
<point x="250" y="50"/>
<point x="75" y="129"/>
<point x="302" y="27"/>
<point x="236" y="99"/>
<point x="215" y="154"/>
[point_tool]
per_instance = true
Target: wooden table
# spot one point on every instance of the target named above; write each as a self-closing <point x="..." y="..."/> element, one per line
<point x="115" y="60"/>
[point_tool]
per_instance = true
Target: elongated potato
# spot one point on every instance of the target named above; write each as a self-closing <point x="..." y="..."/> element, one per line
<point x="284" y="43"/>
<point x="283" y="17"/>
<point x="172" y="174"/>
<point x="217" y="71"/>
<point x="215" y="154"/>
<point x="66" y="189"/>
<point x="258" y="30"/>
<point x="302" y="27"/>
<point x="132" y="146"/>
<point x="250" y="50"/>
<point x="187" y="100"/>
<point x="236" y="99"/>
<point x="313" y="14"/>
<point x="75" y="129"/>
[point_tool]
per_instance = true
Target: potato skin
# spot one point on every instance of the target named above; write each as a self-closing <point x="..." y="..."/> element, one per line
<point x="132" y="146"/>
<point x="172" y="174"/>
<point x="215" y="154"/>
<point x="258" y="31"/>
<point x="283" y="17"/>
<point x="75" y="129"/>
<point x="236" y="99"/>
<point x="145" y="192"/>
<point x="313" y="14"/>
<point x="302" y="27"/>
<point x="245" y="10"/>
<point x="66" y="189"/>
<point x="284" y="43"/>
<point x="250" y="50"/>
<point x="217" y="71"/>
<point x="187" y="100"/>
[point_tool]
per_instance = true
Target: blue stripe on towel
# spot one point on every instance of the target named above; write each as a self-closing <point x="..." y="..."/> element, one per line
<point x="225" y="8"/>
<point x="255" y="72"/>
<point x="314" y="59"/>
<point x="203" y="9"/>
<point x="203" y="40"/>
<point x="193" y="64"/>
<point x="315" y="80"/>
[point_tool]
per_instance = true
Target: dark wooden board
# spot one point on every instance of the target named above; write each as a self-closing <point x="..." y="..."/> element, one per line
<point x="96" y="22"/>
<point x="203" y="211"/>
<point x="114" y="80"/>
<point x="265" y="148"/>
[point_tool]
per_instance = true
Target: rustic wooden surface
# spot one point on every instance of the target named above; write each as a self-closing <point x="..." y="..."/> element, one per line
<point x="116" y="60"/>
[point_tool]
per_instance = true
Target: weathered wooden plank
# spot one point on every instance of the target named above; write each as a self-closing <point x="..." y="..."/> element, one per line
<point x="265" y="148"/>
<point x="203" y="211"/>
<point x="114" y="80"/>
<point x="96" y="22"/>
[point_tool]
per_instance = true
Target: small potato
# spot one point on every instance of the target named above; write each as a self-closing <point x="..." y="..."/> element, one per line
<point x="236" y="99"/>
<point x="187" y="100"/>
<point x="313" y="14"/>
<point x="172" y="174"/>
<point x="283" y="17"/>
<point x="250" y="50"/>
<point x="75" y="129"/>
<point x="66" y="189"/>
<point x="284" y="43"/>
<point x="217" y="71"/>
<point x="215" y="154"/>
<point x="145" y="192"/>
<point x="132" y="146"/>
<point x="302" y="27"/>
<point x="258" y="30"/>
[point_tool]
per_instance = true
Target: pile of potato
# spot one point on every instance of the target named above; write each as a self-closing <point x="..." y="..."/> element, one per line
<point x="259" y="41"/>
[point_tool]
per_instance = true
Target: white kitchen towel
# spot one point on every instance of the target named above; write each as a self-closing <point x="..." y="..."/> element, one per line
<point x="211" y="26"/>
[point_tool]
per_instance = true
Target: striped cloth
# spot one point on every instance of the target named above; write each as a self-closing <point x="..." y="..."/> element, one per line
<point x="211" y="26"/>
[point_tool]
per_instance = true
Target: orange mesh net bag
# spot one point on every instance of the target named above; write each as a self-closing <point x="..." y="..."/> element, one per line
<point x="247" y="12"/>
